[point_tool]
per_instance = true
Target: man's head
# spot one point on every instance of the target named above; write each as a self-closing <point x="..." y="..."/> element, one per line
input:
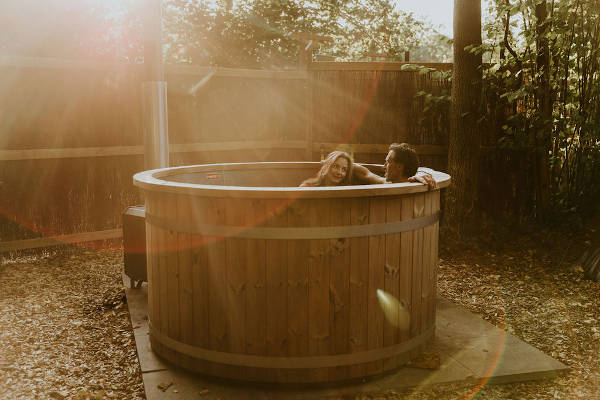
<point x="401" y="163"/>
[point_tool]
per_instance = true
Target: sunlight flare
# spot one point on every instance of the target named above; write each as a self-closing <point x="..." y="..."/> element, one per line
<point x="395" y="310"/>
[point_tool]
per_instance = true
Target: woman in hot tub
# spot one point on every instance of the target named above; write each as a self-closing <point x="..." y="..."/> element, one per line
<point x="336" y="171"/>
<point x="401" y="165"/>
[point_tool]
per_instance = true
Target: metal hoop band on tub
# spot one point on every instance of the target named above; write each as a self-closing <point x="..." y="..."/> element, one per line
<point x="291" y="233"/>
<point x="246" y="360"/>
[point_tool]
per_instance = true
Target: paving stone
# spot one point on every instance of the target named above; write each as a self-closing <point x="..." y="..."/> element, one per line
<point x="470" y="349"/>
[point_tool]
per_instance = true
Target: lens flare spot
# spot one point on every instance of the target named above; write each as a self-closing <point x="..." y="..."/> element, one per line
<point x="395" y="310"/>
<point x="201" y="82"/>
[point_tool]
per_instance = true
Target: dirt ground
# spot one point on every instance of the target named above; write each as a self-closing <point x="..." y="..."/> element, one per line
<point x="65" y="330"/>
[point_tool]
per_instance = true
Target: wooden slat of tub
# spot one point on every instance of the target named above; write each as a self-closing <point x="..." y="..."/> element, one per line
<point x="298" y="212"/>
<point x="435" y="206"/>
<point x="318" y="291"/>
<point x="169" y="206"/>
<point x="218" y="329"/>
<point x="184" y="261"/>
<point x="152" y="202"/>
<point x="392" y="281"/>
<point x="200" y="277"/>
<point x="297" y="296"/>
<point x="427" y="262"/>
<point x="161" y="207"/>
<point x="256" y="317"/>
<point x="152" y="264"/>
<point x="276" y="279"/>
<point x="376" y="282"/>
<point x="406" y="286"/>
<point x="339" y="287"/>
<point x="359" y="284"/>
<point x="235" y="210"/>
<point x="162" y="247"/>
<point x="417" y="270"/>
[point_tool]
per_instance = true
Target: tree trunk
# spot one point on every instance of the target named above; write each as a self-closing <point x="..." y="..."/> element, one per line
<point x="464" y="141"/>
<point x="543" y="131"/>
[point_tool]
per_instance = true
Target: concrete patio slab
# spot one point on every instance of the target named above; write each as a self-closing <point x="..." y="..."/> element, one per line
<point x="470" y="349"/>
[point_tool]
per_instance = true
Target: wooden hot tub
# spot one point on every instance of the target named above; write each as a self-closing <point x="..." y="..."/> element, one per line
<point x="253" y="278"/>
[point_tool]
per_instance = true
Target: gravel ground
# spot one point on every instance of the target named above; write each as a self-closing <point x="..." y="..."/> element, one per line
<point x="65" y="330"/>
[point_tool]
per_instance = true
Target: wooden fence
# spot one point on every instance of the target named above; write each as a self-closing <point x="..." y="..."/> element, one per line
<point x="71" y="137"/>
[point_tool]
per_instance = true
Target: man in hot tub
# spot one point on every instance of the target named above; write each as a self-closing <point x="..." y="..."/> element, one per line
<point x="401" y="165"/>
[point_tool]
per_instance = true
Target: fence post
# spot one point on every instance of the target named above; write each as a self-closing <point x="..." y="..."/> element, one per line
<point x="305" y="59"/>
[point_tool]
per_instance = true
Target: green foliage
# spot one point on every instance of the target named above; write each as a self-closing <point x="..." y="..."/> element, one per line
<point x="517" y="84"/>
<point x="261" y="33"/>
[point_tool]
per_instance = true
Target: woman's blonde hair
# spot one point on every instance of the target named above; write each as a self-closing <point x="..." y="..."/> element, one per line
<point x="319" y="179"/>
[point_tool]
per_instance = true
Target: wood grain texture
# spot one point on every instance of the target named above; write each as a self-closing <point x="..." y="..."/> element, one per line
<point x="298" y="212"/>
<point x="417" y="268"/>
<point x="319" y="339"/>
<point x="319" y="300"/>
<point x="297" y="292"/>
<point x="256" y="289"/>
<point x="427" y="266"/>
<point x="339" y="287"/>
<point x="276" y="286"/>
<point x="376" y="317"/>
<point x="406" y="269"/>
<point x="391" y="329"/>
<point x="168" y="206"/>
<point x="36" y="243"/>
<point x="235" y="215"/>
<point x="359" y="279"/>
<point x="200" y="276"/>
<point x="151" y="265"/>
<point x="185" y="265"/>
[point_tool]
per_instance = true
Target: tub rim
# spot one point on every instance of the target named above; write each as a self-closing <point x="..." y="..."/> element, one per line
<point x="152" y="181"/>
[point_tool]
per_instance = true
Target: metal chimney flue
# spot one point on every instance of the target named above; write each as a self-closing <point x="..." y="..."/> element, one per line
<point x="155" y="123"/>
<point x="154" y="92"/>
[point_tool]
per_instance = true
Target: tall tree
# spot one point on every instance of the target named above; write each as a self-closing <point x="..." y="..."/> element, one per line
<point x="543" y="131"/>
<point x="464" y="141"/>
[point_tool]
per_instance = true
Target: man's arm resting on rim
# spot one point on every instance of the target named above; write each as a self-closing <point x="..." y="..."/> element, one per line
<point x="424" y="176"/>
<point x="362" y="174"/>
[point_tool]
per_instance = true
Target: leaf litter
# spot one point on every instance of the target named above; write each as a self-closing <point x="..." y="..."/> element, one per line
<point x="65" y="330"/>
